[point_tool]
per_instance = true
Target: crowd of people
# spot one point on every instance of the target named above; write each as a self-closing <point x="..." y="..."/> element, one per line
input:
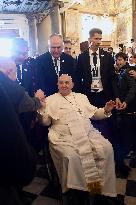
<point x="88" y="115"/>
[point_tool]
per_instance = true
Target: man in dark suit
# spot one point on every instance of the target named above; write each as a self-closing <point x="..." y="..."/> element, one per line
<point x="26" y="77"/>
<point x="94" y="71"/>
<point x="26" y="66"/>
<point x="94" y="74"/>
<point x="52" y="64"/>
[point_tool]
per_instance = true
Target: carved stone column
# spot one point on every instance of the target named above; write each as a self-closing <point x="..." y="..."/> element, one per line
<point x="32" y="34"/>
<point x="55" y="20"/>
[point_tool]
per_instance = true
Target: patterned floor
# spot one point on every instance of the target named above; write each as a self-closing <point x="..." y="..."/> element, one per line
<point x="40" y="192"/>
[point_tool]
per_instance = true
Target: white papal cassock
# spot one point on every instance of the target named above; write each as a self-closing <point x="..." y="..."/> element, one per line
<point x="80" y="153"/>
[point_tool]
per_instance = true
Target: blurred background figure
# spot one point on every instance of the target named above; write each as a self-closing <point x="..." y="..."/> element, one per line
<point x="68" y="47"/>
<point x="132" y="59"/>
<point x="110" y="51"/>
<point x="129" y="51"/>
<point x="133" y="45"/>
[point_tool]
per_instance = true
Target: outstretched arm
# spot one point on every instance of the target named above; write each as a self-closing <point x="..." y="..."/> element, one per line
<point x="110" y="105"/>
<point x="102" y="113"/>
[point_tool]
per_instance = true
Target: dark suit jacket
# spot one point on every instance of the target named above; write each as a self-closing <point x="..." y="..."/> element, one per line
<point x="20" y="100"/>
<point x="27" y="76"/>
<point x="17" y="160"/>
<point x="46" y="74"/>
<point x="83" y="76"/>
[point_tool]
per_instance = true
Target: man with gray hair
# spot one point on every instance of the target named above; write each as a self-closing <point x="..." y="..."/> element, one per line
<point x="52" y="64"/>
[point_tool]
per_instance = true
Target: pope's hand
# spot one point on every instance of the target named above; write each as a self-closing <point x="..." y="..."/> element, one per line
<point x="109" y="106"/>
<point x="40" y="95"/>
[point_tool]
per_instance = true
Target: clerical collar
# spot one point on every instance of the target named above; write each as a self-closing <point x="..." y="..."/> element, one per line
<point x="70" y="94"/>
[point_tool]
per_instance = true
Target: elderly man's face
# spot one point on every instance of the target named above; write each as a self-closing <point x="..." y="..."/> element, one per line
<point x="56" y="46"/>
<point x="65" y="85"/>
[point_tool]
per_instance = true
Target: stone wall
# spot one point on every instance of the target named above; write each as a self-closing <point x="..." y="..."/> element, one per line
<point x="124" y="22"/>
<point x="16" y="21"/>
<point x="44" y="31"/>
<point x="72" y="29"/>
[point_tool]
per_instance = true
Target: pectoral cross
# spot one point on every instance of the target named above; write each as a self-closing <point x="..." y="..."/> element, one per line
<point x="80" y="111"/>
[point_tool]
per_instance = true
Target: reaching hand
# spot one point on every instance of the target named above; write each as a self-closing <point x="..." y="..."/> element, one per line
<point x="109" y="106"/>
<point x="118" y="103"/>
<point x="40" y="95"/>
<point x="123" y="106"/>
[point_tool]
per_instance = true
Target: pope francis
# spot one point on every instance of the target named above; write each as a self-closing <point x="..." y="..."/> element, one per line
<point x="83" y="158"/>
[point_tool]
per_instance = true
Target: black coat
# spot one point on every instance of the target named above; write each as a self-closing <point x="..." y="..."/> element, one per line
<point x="46" y="74"/>
<point x="21" y="101"/>
<point x="27" y="75"/>
<point x="17" y="159"/>
<point x="124" y="87"/>
<point x="83" y="75"/>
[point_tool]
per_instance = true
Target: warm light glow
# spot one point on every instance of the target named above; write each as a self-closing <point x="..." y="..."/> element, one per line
<point x="105" y="23"/>
<point x="5" y="47"/>
<point x="88" y="22"/>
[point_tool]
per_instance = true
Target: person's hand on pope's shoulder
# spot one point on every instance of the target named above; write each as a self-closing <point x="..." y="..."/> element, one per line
<point x="40" y="95"/>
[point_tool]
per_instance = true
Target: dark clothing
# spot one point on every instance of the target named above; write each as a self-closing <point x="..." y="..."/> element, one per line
<point x="83" y="75"/>
<point x="17" y="159"/>
<point x="125" y="89"/>
<point x="46" y="75"/>
<point x="19" y="98"/>
<point x="27" y="75"/>
<point x="25" y="106"/>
